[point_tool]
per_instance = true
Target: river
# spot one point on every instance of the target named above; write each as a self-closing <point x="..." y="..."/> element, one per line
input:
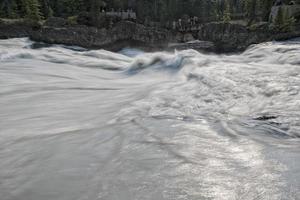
<point x="79" y="124"/>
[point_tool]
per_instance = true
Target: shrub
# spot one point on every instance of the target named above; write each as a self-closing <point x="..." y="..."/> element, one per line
<point x="72" y="20"/>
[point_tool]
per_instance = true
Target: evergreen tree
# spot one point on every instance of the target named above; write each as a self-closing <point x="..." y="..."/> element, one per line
<point x="46" y="9"/>
<point x="31" y="9"/>
<point x="266" y="8"/>
<point x="284" y="22"/>
<point x="147" y="10"/>
<point x="251" y="6"/>
<point x="8" y="9"/>
<point x="279" y="20"/>
<point x="226" y="16"/>
<point x="95" y="11"/>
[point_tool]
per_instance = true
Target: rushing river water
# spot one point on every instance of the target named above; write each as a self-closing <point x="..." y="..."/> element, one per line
<point x="88" y="125"/>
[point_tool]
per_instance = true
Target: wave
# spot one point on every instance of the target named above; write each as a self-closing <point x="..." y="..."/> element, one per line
<point x="123" y="125"/>
<point x="212" y="86"/>
<point x="156" y="61"/>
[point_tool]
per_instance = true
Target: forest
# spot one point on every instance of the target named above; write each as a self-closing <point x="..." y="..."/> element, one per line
<point x="153" y="10"/>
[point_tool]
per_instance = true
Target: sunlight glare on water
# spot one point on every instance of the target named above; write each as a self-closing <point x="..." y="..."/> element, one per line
<point x="93" y="124"/>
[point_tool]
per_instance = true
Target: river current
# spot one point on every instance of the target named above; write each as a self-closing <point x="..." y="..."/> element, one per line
<point x="79" y="124"/>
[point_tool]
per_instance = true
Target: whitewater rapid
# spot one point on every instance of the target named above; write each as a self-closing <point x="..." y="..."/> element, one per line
<point x="79" y="124"/>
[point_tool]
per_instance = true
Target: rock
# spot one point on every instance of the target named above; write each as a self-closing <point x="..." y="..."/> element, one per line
<point x="84" y="18"/>
<point x="265" y="118"/>
<point x="91" y="37"/>
<point x="17" y="28"/>
<point x="56" y="22"/>
<point x="216" y="37"/>
<point x="188" y="37"/>
<point x="227" y="37"/>
<point x="196" y="45"/>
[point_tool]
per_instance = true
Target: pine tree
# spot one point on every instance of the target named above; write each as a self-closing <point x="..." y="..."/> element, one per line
<point x="8" y="9"/>
<point x="226" y="15"/>
<point x="46" y="9"/>
<point x="252" y="10"/>
<point x="288" y="21"/>
<point x="95" y="11"/>
<point x="32" y="10"/>
<point x="266" y="8"/>
<point x="279" y="20"/>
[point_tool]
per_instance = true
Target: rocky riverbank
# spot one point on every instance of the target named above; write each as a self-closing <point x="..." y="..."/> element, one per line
<point x="214" y="37"/>
<point x="122" y="34"/>
<point x="230" y="37"/>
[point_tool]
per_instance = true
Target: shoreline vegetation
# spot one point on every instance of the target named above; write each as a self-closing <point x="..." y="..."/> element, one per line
<point x="222" y="26"/>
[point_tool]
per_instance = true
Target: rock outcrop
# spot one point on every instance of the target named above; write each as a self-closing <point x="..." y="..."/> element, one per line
<point x="229" y="37"/>
<point x="226" y="36"/>
<point x="215" y="37"/>
<point x="17" y="28"/>
<point x="122" y="33"/>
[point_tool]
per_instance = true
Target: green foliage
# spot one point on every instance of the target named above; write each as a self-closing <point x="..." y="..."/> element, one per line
<point x="289" y="24"/>
<point x="9" y="9"/>
<point x="266" y="8"/>
<point x="46" y="9"/>
<point x="21" y="21"/>
<point x="95" y="11"/>
<point x="283" y="21"/>
<point x="32" y="10"/>
<point x="226" y="15"/>
<point x="252" y="8"/>
<point x="89" y="11"/>
<point x="279" y="20"/>
<point x="49" y="13"/>
<point x="72" y="20"/>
